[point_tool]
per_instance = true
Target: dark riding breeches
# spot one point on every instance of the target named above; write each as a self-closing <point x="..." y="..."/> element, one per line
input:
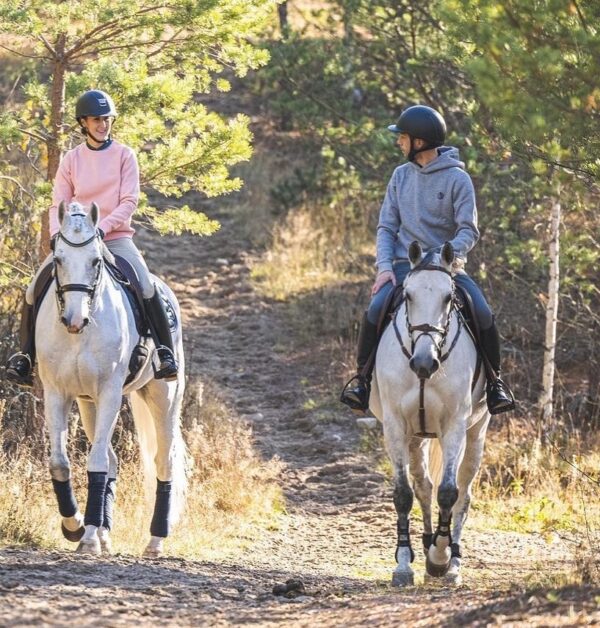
<point x="483" y="311"/>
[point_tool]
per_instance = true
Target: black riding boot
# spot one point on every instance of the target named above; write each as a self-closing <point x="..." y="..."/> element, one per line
<point x="356" y="391"/>
<point x="19" y="368"/>
<point x="499" y="397"/>
<point x="161" y="333"/>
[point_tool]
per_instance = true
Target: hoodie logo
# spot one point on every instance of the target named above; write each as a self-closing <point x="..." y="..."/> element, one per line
<point x="440" y="195"/>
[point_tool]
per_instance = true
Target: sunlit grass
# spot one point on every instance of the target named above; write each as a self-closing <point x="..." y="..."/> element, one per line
<point x="233" y="496"/>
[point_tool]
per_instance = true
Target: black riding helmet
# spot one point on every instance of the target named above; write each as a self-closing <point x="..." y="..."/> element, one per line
<point x="95" y="103"/>
<point x="423" y="123"/>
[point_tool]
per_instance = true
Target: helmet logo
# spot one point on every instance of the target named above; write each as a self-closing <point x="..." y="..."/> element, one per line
<point x="102" y="102"/>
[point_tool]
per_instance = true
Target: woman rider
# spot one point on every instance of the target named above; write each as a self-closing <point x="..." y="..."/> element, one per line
<point x="430" y="199"/>
<point x="103" y="171"/>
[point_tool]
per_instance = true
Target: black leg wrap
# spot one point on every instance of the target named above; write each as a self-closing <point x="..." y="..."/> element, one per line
<point x="455" y="550"/>
<point x="160" y="518"/>
<point x="67" y="504"/>
<point x="109" y="502"/>
<point x="94" y="510"/>
<point x="427" y="540"/>
<point x="404" y="541"/>
<point x="443" y="529"/>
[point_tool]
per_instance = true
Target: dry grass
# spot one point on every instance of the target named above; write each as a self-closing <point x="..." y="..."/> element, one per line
<point x="232" y="497"/>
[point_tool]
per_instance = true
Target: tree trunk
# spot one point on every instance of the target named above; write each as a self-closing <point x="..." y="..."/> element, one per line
<point x="284" y="25"/>
<point x="546" y="400"/>
<point x="54" y="144"/>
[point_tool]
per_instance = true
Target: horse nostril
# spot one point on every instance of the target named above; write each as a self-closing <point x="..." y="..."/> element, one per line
<point x="435" y="366"/>
<point x="85" y="322"/>
<point x="63" y="320"/>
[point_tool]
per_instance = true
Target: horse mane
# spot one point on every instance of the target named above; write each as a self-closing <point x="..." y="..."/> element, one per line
<point x="106" y="254"/>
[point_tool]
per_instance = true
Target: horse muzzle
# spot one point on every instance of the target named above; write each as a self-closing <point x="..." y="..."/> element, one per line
<point x="424" y="366"/>
<point x="75" y="326"/>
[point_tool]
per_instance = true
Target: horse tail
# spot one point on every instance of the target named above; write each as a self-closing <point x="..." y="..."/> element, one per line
<point x="146" y="430"/>
<point x="436" y="462"/>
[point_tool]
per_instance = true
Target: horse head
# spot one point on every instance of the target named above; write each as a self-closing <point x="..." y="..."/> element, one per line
<point x="428" y="301"/>
<point x="77" y="264"/>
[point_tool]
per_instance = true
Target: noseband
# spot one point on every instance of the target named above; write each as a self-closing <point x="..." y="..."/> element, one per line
<point x="426" y="329"/>
<point x="90" y="289"/>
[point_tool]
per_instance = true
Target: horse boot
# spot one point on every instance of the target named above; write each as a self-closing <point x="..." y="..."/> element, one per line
<point x="161" y="333"/>
<point x="19" y="367"/>
<point x="499" y="396"/>
<point x="356" y="392"/>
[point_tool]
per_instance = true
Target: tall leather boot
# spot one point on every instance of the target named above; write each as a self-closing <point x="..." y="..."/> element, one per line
<point x="19" y="367"/>
<point x="356" y="391"/>
<point x="499" y="397"/>
<point x="161" y="333"/>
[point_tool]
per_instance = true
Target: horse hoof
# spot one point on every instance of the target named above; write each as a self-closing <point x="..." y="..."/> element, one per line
<point x="106" y="547"/>
<point x="152" y="552"/>
<point x="452" y="579"/>
<point x="435" y="570"/>
<point x="72" y="535"/>
<point x="403" y="579"/>
<point x="89" y="546"/>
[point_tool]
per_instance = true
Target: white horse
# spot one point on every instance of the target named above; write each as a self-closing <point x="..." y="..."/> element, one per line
<point x="428" y="384"/>
<point x="85" y="336"/>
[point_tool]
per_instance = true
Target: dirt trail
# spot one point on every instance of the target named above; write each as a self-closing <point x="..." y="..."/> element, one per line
<point x="338" y="533"/>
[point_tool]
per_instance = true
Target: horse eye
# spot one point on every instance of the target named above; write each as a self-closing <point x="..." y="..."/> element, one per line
<point x="447" y="298"/>
<point x="96" y="261"/>
<point x="408" y="297"/>
<point x="57" y="261"/>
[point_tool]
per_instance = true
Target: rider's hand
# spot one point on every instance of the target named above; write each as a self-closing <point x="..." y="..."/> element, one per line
<point x="382" y="278"/>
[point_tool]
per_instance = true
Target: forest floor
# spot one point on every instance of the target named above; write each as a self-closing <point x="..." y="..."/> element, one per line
<point x="337" y="534"/>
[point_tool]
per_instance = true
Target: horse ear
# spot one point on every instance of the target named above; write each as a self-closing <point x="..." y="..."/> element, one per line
<point x="447" y="254"/>
<point x="61" y="211"/>
<point x="414" y="253"/>
<point x="94" y="213"/>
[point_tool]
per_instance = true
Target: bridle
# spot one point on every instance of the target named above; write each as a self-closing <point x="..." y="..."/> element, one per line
<point x="426" y="329"/>
<point x="90" y="289"/>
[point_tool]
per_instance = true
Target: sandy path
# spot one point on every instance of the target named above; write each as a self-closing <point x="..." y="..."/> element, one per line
<point x="338" y="533"/>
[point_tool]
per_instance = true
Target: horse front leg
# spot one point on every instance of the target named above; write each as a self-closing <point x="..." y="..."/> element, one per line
<point x="108" y="406"/>
<point x="418" y="450"/>
<point x="466" y="474"/>
<point x="87" y="411"/>
<point x="57" y="418"/>
<point x="440" y="551"/>
<point x="397" y="448"/>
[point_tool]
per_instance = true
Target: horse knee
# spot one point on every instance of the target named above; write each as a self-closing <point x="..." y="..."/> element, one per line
<point x="403" y="497"/>
<point x="447" y="496"/>
<point x="60" y="469"/>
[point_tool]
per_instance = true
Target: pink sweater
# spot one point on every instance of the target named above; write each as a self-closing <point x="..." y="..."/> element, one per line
<point x="109" y="177"/>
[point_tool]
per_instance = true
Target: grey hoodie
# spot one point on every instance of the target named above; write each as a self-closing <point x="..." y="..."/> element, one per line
<point x="432" y="205"/>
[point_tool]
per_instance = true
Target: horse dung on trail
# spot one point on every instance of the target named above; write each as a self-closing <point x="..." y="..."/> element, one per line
<point x="86" y="335"/>
<point x="429" y="387"/>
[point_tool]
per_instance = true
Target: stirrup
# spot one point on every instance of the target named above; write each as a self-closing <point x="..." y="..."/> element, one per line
<point x="353" y="399"/>
<point x="503" y="389"/>
<point x="20" y="373"/>
<point x="167" y="368"/>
